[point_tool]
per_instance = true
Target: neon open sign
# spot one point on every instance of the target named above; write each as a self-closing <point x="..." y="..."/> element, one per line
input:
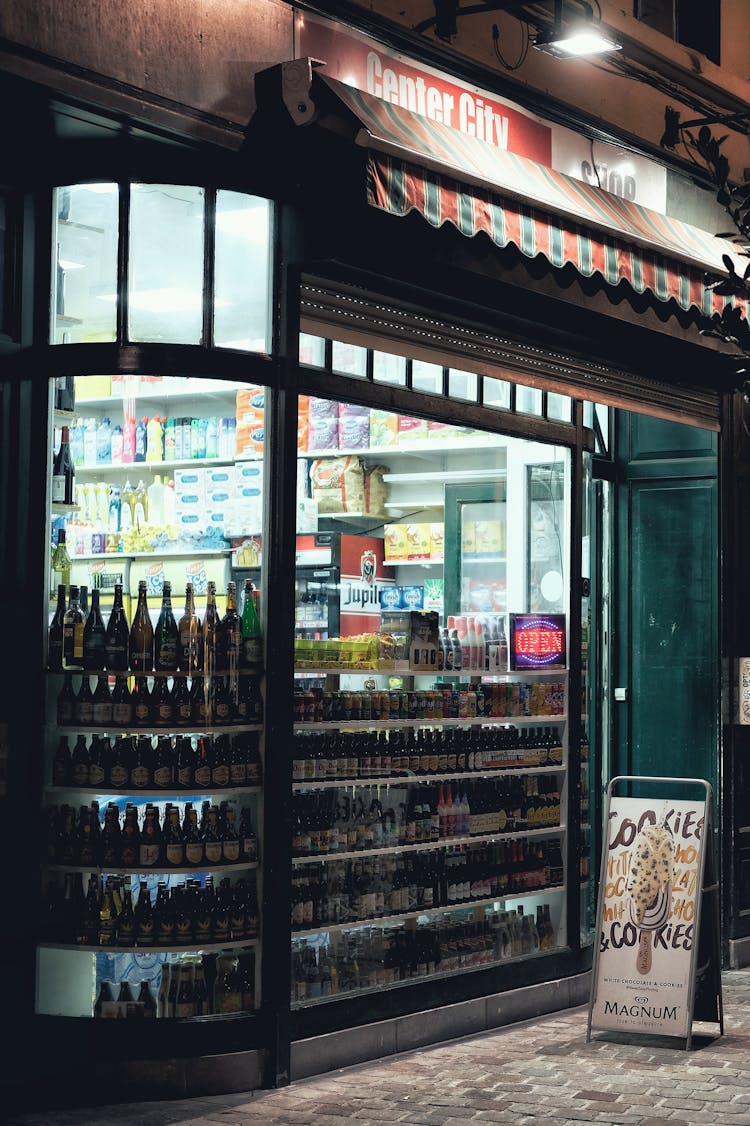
<point x="537" y="642"/>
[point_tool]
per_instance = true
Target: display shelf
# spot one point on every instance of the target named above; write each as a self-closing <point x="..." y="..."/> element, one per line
<point x="422" y="779"/>
<point x="153" y="466"/>
<point x="444" y="975"/>
<point x="424" y="721"/>
<point x="62" y="417"/>
<point x="426" y="846"/>
<point x="419" y="448"/>
<point x="520" y="677"/>
<point x="193" y="553"/>
<point x="161" y="870"/>
<point x="161" y="792"/>
<point x="240" y="728"/>
<point x="154" y="674"/>
<point x="447" y="909"/>
<point x="437" y="561"/>
<point x="59" y="508"/>
<point x="204" y="389"/>
<point x="208" y="947"/>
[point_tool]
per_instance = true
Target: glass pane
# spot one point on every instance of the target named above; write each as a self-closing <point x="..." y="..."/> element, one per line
<point x="427" y="377"/>
<point x="242" y="272"/>
<point x="496" y="393"/>
<point x="387" y="368"/>
<point x="166" y="263"/>
<point x="528" y="400"/>
<point x="312" y="350"/>
<point x="349" y="359"/>
<point x="559" y="407"/>
<point x="588" y="414"/>
<point x="462" y="384"/>
<point x="83" y="306"/>
<point x="602" y="415"/>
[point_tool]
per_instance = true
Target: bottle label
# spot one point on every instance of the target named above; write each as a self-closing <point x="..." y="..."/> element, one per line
<point x="220" y="776"/>
<point x="145" y="932"/>
<point x="194" y="852"/>
<point x="238" y="774"/>
<point x="118" y="776"/>
<point x="80" y="774"/>
<point x="96" y="775"/>
<point x="185" y="776"/>
<point x="141" y="713"/>
<point x="84" y="712"/>
<point x="122" y="714"/>
<point x="148" y="855"/>
<point x="252" y="651"/>
<point x="139" y="777"/>
<point x="231" y="851"/>
<point x="203" y="776"/>
<point x="58" y="489"/>
<point x="213" y="852"/>
<point x="163" y="776"/>
<point x="176" y="853"/>
<point x="164" y="714"/>
<point x="102" y="714"/>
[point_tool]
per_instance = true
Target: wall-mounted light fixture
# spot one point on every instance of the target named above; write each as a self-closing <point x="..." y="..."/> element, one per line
<point x="576" y="37"/>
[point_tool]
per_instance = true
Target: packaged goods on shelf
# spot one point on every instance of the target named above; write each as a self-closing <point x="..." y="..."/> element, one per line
<point x="323" y="424"/>
<point x="396" y="543"/>
<point x="338" y="484"/>
<point x="445" y="431"/>
<point x="250" y="411"/>
<point x="411" y="429"/>
<point x="303" y="415"/>
<point x="383" y="428"/>
<point x="354" y="426"/>
<point x="95" y="387"/>
<point x="410" y="638"/>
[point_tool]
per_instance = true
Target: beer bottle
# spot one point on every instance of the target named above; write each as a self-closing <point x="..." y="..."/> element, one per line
<point x="130" y="837"/>
<point x="109" y="844"/>
<point x="94" y="636"/>
<point x="117" y="635"/>
<point x="248" y="838"/>
<point x="141" y="639"/>
<point x="252" y="648"/>
<point x="222" y="701"/>
<point x="237" y="769"/>
<point x="230" y="841"/>
<point x="200" y="991"/>
<point x="122" y="704"/>
<point x="150" y="847"/>
<point x="108" y="915"/>
<point x="220" y="919"/>
<point x="96" y="761"/>
<point x="142" y="763"/>
<point x="119" y="765"/>
<point x="66" y="702"/>
<point x="175" y="842"/>
<point x="85" y="840"/>
<point x="204" y="913"/>
<point x="164" y="763"/>
<point x="181" y="705"/>
<point x="83" y="711"/>
<point x="227" y="987"/>
<point x="90" y="922"/>
<point x="210" y="630"/>
<point x="162" y="1000"/>
<point x="211" y="837"/>
<point x="55" y="635"/>
<point x="190" y="635"/>
<point x="104" y="997"/>
<point x="198" y="705"/>
<point x="62" y="766"/>
<point x="73" y="626"/>
<point x="144" y="917"/>
<point x="229" y="647"/>
<point x="141" y="702"/>
<point x="184" y="1003"/>
<point x="247" y="979"/>
<point x="163" y="916"/>
<point x="80" y="762"/>
<point x="102" y="702"/>
<point x="162" y="704"/>
<point x="172" y="994"/>
<point x="166" y="635"/>
<point x="194" y="853"/>
<point x="146" y="1000"/>
<point x="185" y="762"/>
<point x="203" y="763"/>
<point x="126" y="920"/>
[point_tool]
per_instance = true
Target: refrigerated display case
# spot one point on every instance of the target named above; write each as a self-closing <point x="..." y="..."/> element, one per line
<point x="430" y="774"/>
<point x="153" y="787"/>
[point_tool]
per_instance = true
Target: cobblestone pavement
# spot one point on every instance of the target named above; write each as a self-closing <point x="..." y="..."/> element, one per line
<point x="537" y="1073"/>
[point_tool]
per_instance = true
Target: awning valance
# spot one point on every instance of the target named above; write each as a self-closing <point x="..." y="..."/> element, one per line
<point x="417" y="164"/>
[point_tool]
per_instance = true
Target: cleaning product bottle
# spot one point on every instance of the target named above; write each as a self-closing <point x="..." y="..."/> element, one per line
<point x="155" y="493"/>
<point x="117" y="444"/>
<point x="140" y="506"/>
<point x="127" y="502"/>
<point x="128" y="441"/>
<point x="170" y="439"/>
<point x="154" y="441"/>
<point x="141" y="438"/>
<point x="104" y="442"/>
<point x="168" y="503"/>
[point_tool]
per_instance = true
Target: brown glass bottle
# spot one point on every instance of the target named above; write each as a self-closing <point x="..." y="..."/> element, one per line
<point x="122" y="704"/>
<point x="94" y="636"/>
<point x="210" y="630"/>
<point x="229" y="642"/>
<point x="141" y="701"/>
<point x="117" y="635"/>
<point x="190" y="643"/>
<point x="73" y="626"/>
<point x="166" y="635"/>
<point x="141" y="640"/>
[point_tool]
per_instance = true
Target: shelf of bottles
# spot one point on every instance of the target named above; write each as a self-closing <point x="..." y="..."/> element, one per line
<point x="152" y="814"/>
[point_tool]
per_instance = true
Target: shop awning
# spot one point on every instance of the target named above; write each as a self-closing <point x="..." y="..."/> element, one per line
<point x="416" y="164"/>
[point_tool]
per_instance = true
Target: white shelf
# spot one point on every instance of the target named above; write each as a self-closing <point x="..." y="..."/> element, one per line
<point x="438" y="561"/>
<point x="433" y="721"/>
<point x="520" y="677"/>
<point x="412" y="779"/>
<point x="198" y="552"/>
<point x="448" y="909"/>
<point x="151" y="466"/>
<point x="426" y="846"/>
<point x="427" y="446"/>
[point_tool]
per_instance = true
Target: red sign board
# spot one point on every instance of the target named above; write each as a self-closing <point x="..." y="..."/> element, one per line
<point x="537" y="642"/>
<point x="424" y="91"/>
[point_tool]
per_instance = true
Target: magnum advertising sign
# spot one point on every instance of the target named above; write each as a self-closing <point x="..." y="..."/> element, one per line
<point x="648" y="916"/>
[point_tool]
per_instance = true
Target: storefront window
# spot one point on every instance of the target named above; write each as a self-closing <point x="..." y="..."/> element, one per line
<point x="242" y="263"/>
<point x="349" y="359"/>
<point x="496" y="393"/>
<point x="165" y="297"/>
<point x="155" y="699"/>
<point x="427" y="377"/>
<point x="84" y="278"/>
<point x="528" y="400"/>
<point x="167" y="294"/>
<point x="462" y="385"/>
<point x="430" y="735"/>
<point x="387" y="368"/>
<point x="559" y="407"/>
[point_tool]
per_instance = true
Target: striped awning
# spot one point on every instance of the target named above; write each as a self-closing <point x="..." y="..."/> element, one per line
<point x="416" y="164"/>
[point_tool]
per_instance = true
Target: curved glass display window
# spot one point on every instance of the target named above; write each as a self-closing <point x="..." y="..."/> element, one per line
<point x="197" y="266"/>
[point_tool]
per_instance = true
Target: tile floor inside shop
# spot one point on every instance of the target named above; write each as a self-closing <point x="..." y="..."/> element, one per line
<point x="539" y="1071"/>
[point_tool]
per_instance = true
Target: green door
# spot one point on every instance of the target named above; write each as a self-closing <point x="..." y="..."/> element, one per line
<point x="666" y="649"/>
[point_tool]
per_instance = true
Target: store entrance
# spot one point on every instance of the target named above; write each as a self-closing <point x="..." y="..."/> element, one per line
<point x="665" y="610"/>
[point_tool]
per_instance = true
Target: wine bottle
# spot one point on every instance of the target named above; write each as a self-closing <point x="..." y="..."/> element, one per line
<point x="166" y="636"/>
<point x="94" y="636"/>
<point x="252" y="651"/>
<point x="63" y="472"/>
<point x="229" y="648"/>
<point x="117" y="636"/>
<point x="190" y="635"/>
<point x="61" y="561"/>
<point x="210" y="629"/>
<point x="141" y="640"/>
<point x="73" y="625"/>
<point x="55" y="636"/>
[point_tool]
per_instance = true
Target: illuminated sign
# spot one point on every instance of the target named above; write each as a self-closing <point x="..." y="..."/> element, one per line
<point x="537" y="642"/>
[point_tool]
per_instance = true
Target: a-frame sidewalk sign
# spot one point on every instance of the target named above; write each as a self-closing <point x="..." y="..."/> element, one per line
<point x="657" y="958"/>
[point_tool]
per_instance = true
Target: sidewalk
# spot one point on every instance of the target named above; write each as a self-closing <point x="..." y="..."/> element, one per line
<point x="529" y="1074"/>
